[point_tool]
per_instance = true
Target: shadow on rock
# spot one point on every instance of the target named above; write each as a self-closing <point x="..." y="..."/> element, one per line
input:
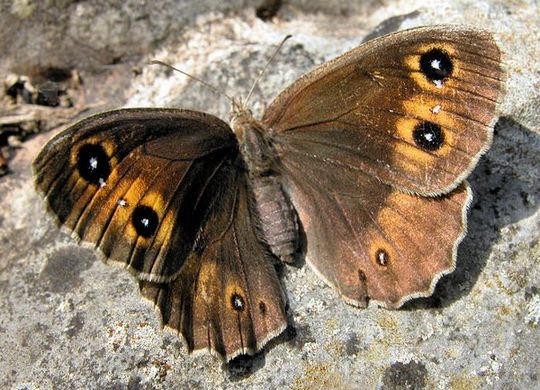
<point x="244" y="366"/>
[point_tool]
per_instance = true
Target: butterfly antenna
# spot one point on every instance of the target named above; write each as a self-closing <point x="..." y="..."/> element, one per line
<point x="216" y="90"/>
<point x="261" y="73"/>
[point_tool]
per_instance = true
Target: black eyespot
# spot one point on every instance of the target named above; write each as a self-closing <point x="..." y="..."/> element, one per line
<point x="428" y="136"/>
<point x="262" y="307"/>
<point x="237" y="302"/>
<point x="93" y="164"/>
<point x="436" y="64"/>
<point x="382" y="258"/>
<point x="362" y="276"/>
<point x="363" y="295"/>
<point x="145" y="220"/>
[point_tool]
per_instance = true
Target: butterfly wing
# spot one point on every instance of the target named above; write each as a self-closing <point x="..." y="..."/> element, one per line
<point x="414" y="109"/>
<point x="373" y="241"/>
<point x="374" y="148"/>
<point x="163" y="193"/>
<point x="227" y="297"/>
<point x="135" y="183"/>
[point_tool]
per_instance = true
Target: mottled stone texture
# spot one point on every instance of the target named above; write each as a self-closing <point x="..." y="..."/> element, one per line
<point x="68" y="321"/>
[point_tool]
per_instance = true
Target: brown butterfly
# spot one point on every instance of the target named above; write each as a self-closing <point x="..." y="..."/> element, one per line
<point x="366" y="156"/>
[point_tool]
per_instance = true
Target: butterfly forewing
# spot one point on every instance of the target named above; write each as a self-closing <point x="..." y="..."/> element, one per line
<point x="136" y="183"/>
<point x="413" y="109"/>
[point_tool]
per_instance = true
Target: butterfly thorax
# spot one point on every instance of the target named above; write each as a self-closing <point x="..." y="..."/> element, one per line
<point x="278" y="220"/>
<point x="255" y="145"/>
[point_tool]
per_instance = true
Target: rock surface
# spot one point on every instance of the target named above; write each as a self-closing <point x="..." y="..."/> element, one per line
<point x="69" y="321"/>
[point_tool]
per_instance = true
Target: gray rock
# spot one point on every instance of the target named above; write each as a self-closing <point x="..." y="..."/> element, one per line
<point x="69" y="321"/>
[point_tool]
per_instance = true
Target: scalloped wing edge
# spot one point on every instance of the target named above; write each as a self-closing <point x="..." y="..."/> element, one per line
<point x="435" y="279"/>
<point x="200" y="351"/>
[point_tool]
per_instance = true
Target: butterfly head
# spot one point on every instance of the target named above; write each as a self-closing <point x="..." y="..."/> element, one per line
<point x="240" y="118"/>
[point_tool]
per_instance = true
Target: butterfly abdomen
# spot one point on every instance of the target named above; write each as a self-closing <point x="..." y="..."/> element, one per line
<point x="279" y="224"/>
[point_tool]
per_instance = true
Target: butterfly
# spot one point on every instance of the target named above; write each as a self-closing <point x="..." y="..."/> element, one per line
<point x="359" y="166"/>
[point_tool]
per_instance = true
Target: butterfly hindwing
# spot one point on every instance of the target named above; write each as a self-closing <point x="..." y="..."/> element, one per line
<point x="376" y="242"/>
<point x="227" y="298"/>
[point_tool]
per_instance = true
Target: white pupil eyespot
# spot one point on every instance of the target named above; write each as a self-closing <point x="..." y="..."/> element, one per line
<point x="429" y="137"/>
<point x="237" y="302"/>
<point x="436" y="109"/>
<point x="145" y="222"/>
<point x="436" y="64"/>
<point x="93" y="162"/>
